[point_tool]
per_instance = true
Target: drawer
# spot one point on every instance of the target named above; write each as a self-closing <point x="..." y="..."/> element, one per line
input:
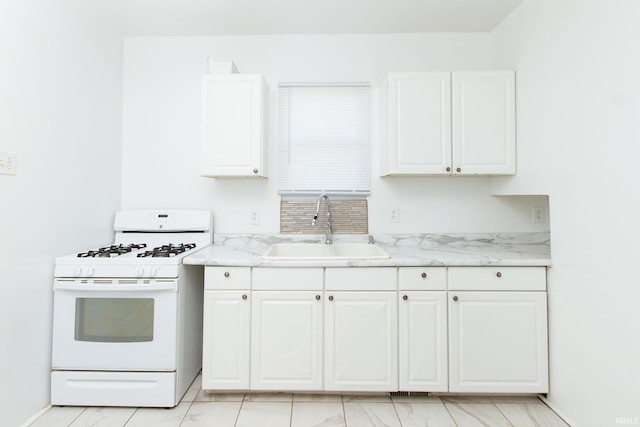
<point x="498" y="278"/>
<point x="422" y="278"/>
<point x="227" y="277"/>
<point x="287" y="279"/>
<point x="361" y="279"/>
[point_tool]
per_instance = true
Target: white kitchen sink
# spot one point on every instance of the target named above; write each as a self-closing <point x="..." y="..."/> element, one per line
<point x="321" y="251"/>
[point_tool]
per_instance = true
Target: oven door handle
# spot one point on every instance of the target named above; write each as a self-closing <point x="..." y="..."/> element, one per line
<point x="91" y="286"/>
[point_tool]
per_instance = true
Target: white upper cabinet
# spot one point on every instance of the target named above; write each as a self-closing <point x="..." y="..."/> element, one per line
<point x="484" y="123"/>
<point x="442" y="123"/>
<point x="419" y="124"/>
<point x="233" y="125"/>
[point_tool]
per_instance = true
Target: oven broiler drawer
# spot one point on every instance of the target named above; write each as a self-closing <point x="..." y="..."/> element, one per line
<point x="146" y="389"/>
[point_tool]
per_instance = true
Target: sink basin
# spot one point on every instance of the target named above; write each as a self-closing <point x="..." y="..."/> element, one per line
<point x="321" y="251"/>
<point x="359" y="251"/>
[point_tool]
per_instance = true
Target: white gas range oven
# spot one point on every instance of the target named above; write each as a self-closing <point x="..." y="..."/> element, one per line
<point x="127" y="317"/>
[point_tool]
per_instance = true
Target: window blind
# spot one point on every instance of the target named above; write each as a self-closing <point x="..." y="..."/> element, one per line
<point x="324" y="138"/>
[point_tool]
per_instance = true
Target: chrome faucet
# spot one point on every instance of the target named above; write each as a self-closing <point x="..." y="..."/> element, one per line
<point x="327" y="225"/>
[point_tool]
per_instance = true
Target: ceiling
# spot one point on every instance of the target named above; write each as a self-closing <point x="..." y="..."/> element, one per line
<point x="251" y="17"/>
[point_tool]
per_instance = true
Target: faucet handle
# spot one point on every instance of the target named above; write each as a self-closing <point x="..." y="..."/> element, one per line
<point x="371" y="242"/>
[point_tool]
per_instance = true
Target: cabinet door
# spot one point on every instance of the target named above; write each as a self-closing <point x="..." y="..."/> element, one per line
<point x="286" y="340"/>
<point x="483" y="123"/>
<point x="225" y="360"/>
<point x="419" y="123"/>
<point x="233" y="125"/>
<point x="423" y="341"/>
<point x="361" y="341"/>
<point x="498" y="342"/>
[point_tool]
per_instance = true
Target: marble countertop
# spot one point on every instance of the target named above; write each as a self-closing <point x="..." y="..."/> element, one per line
<point x="498" y="249"/>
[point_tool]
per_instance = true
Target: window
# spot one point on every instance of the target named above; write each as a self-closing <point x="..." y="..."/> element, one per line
<point x="324" y="138"/>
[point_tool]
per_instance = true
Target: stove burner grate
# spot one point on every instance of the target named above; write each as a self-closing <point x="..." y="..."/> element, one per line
<point x="111" y="251"/>
<point x="166" y="251"/>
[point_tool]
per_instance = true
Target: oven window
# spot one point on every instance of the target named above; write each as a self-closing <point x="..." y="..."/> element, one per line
<point x="114" y="319"/>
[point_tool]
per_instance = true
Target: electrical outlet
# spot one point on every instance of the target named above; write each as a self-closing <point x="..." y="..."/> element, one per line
<point x="254" y="216"/>
<point x="8" y="163"/>
<point x="394" y="214"/>
<point x="537" y="215"/>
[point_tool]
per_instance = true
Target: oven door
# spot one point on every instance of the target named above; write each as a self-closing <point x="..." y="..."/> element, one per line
<point x="115" y="324"/>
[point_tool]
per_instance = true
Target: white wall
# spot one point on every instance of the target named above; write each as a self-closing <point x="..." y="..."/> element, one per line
<point x="579" y="140"/>
<point x="162" y="128"/>
<point x="60" y="112"/>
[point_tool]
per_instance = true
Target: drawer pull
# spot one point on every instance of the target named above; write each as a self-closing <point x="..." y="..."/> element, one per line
<point x="330" y="297"/>
<point x="318" y="297"/>
<point x="404" y="297"/>
<point x="498" y="274"/>
<point x="424" y="275"/>
<point x="244" y="296"/>
<point x="255" y="170"/>
<point x="455" y="298"/>
<point x="226" y="274"/>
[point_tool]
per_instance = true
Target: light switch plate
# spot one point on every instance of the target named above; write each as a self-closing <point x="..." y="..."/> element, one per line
<point x="8" y="163"/>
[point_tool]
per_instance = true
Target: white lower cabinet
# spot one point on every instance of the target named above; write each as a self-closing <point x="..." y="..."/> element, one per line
<point x="226" y="328"/>
<point x="286" y="340"/>
<point x="361" y="329"/>
<point x="361" y="341"/>
<point x="376" y="329"/>
<point x="225" y="362"/>
<point x="498" y="342"/>
<point x="422" y="341"/>
<point x="422" y="329"/>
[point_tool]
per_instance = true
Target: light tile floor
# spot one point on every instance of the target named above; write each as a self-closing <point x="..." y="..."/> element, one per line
<point x="198" y="408"/>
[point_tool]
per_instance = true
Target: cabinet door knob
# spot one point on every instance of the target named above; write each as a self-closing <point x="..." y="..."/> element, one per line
<point x="330" y="297"/>
<point x="404" y="297"/>
<point x="498" y="274"/>
<point x="424" y="275"/>
<point x="458" y="170"/>
<point x="244" y="296"/>
<point x="455" y="298"/>
<point x="255" y="170"/>
<point x="448" y="169"/>
<point x="318" y="297"/>
<point x="226" y="274"/>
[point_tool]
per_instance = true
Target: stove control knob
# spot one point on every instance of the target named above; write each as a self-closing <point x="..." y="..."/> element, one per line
<point x="153" y="271"/>
<point x="140" y="271"/>
<point x="77" y="271"/>
<point x="90" y="272"/>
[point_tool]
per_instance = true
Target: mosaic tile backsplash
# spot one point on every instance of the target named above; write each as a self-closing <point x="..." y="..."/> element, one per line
<point x="347" y="216"/>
